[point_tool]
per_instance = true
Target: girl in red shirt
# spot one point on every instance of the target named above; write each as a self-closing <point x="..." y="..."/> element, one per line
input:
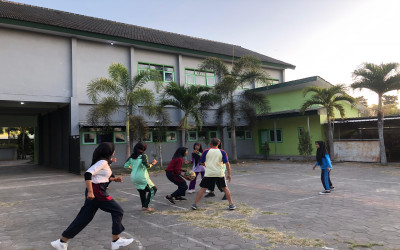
<point x="173" y="172"/>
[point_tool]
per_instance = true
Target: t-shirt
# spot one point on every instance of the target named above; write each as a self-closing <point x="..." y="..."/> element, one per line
<point x="139" y="175"/>
<point x="100" y="171"/>
<point x="175" y="165"/>
<point x="214" y="158"/>
<point x="326" y="162"/>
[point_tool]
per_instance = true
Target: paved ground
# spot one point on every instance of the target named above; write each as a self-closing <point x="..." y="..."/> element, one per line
<point x="37" y="204"/>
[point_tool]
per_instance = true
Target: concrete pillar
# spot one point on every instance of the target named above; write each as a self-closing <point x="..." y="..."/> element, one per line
<point x="74" y="89"/>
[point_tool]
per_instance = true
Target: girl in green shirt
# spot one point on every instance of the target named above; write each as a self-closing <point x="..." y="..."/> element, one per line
<point x="138" y="162"/>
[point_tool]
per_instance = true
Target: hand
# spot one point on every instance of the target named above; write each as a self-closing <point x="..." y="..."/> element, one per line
<point x="196" y="151"/>
<point x="118" y="179"/>
<point x="154" y="162"/>
<point x="114" y="159"/>
<point x="229" y="177"/>
<point x="90" y="196"/>
<point x="187" y="162"/>
<point x="314" y="167"/>
<point x="329" y="169"/>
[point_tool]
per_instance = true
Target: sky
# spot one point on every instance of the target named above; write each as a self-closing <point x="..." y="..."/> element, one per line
<point x="328" y="38"/>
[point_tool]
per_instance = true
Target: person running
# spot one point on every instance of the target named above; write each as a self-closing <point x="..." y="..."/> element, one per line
<point x="324" y="161"/>
<point x="197" y="167"/>
<point x="138" y="162"/>
<point x="174" y="174"/>
<point x="214" y="158"/>
<point x="96" y="179"/>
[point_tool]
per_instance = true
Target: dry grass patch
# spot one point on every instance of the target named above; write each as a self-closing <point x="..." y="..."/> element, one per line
<point x="10" y="204"/>
<point x="217" y="215"/>
<point x="119" y="199"/>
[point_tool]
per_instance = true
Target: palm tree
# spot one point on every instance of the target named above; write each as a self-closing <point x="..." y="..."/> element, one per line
<point x="119" y="91"/>
<point x="379" y="79"/>
<point x="234" y="103"/>
<point x="192" y="100"/>
<point x="330" y="98"/>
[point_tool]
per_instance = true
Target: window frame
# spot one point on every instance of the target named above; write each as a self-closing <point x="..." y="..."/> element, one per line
<point x="269" y="135"/>
<point x="245" y="135"/>
<point x="166" y="136"/>
<point x="163" y="69"/>
<point x="150" y="136"/>
<point x="114" y="137"/>
<point x="298" y="131"/>
<point x="83" y="138"/>
<point x="206" y="77"/>
<point x="197" y="136"/>
<point x="273" y="80"/>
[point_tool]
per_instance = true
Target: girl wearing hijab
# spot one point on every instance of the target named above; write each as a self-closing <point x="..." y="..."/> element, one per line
<point x="138" y="163"/>
<point x="324" y="161"/>
<point x="197" y="167"/>
<point x="96" y="179"/>
<point x="173" y="172"/>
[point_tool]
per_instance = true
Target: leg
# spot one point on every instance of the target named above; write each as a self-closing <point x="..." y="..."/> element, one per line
<point x="116" y="213"/>
<point x="83" y="218"/>
<point x="151" y="192"/>
<point x="228" y="195"/>
<point x="324" y="179"/>
<point x="330" y="183"/>
<point x="142" y="193"/>
<point x="200" y="195"/>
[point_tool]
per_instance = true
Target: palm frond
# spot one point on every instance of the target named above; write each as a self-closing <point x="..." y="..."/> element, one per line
<point x="119" y="74"/>
<point x="100" y="86"/>
<point x="215" y="65"/>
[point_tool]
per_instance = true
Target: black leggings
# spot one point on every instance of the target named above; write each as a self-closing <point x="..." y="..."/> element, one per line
<point x="146" y="200"/>
<point x="87" y="213"/>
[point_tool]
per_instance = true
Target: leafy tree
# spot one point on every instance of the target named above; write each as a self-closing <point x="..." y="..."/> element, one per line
<point x="330" y="98"/>
<point x="380" y="79"/>
<point x="234" y="103"/>
<point x="305" y="145"/>
<point x="119" y="92"/>
<point x="192" y="100"/>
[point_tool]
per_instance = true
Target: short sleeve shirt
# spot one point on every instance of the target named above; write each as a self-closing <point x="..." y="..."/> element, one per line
<point x="100" y="171"/>
<point x="214" y="160"/>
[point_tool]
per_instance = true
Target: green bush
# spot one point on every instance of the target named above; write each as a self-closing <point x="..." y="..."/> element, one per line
<point x="305" y="145"/>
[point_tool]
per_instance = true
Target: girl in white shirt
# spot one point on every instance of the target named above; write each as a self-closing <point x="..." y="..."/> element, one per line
<point x="96" y="179"/>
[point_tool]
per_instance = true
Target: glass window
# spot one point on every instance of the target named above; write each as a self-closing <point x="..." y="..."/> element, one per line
<point x="240" y="134"/>
<point x="278" y="135"/>
<point x="248" y="135"/>
<point x="200" y="77"/>
<point x="158" y="136"/>
<point x="166" y="72"/>
<point x="156" y="67"/>
<point x="200" y="80"/>
<point x="119" y="137"/>
<point x="149" y="137"/>
<point x="89" y="138"/>
<point x="210" y="81"/>
<point x="168" y="77"/>
<point x="190" y="79"/>
<point x="192" y="136"/>
<point x="105" y="137"/>
<point x="143" y="66"/>
<point x="300" y="131"/>
<point x="171" y="136"/>
<point x="202" y="135"/>
<point x="213" y="134"/>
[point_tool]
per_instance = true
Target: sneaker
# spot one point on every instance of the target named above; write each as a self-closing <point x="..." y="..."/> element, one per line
<point x="232" y="207"/>
<point x="121" y="242"/>
<point x="191" y="191"/>
<point x="194" y="207"/>
<point x="170" y="199"/>
<point x="209" y="195"/>
<point x="325" y="192"/>
<point x="224" y="198"/>
<point x="207" y="191"/>
<point x="332" y="188"/>
<point x="57" y="244"/>
<point x="180" y="198"/>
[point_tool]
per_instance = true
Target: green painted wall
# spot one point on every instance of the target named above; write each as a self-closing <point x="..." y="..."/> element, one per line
<point x="290" y="139"/>
<point x="292" y="100"/>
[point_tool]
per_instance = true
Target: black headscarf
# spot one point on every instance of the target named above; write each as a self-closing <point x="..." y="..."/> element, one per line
<point x="103" y="152"/>
<point x="321" y="151"/>
<point x="196" y="157"/>
<point x="138" y="150"/>
<point x="179" y="153"/>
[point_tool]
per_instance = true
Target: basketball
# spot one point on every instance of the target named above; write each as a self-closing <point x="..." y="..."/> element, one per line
<point x="190" y="175"/>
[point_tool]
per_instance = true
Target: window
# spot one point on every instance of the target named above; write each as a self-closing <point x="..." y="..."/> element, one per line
<point x="149" y="137"/>
<point x="271" y="81"/>
<point x="240" y="134"/>
<point x="158" y="136"/>
<point x="171" y="136"/>
<point x="247" y="85"/>
<point x="248" y="135"/>
<point x="89" y="138"/>
<point x="199" y="77"/>
<point x="278" y="135"/>
<point x="119" y="137"/>
<point x="105" y="137"/>
<point x="300" y="131"/>
<point x="192" y="136"/>
<point x="213" y="134"/>
<point x="166" y="72"/>
<point x="202" y="135"/>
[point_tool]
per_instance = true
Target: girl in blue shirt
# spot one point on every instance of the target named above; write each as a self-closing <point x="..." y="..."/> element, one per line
<point x="324" y="161"/>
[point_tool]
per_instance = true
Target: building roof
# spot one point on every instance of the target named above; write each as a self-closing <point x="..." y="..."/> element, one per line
<point x="61" y="21"/>
<point x="293" y="85"/>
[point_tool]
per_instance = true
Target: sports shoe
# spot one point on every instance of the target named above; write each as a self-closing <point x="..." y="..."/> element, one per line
<point x="224" y="198"/>
<point x="325" y="192"/>
<point x="170" y="199"/>
<point x="332" y="188"/>
<point x="207" y="191"/>
<point x="232" y="207"/>
<point x="57" y="244"/>
<point x="121" y="242"/>
<point x="194" y="207"/>
<point x="191" y="191"/>
<point x="209" y="195"/>
<point x="180" y="198"/>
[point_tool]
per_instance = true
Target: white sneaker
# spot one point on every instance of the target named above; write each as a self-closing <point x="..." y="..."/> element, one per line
<point x="121" y="242"/>
<point x="207" y="191"/>
<point x="57" y="244"/>
<point x="191" y="191"/>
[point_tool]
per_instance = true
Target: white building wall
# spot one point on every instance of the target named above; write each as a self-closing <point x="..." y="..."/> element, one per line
<point x="34" y="67"/>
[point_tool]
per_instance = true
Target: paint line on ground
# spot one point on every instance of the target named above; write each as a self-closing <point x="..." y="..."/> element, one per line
<point x="164" y="203"/>
<point x="35" y="184"/>
<point x="173" y="225"/>
<point x="39" y="177"/>
<point x="174" y="233"/>
<point x="140" y="246"/>
<point x="287" y="202"/>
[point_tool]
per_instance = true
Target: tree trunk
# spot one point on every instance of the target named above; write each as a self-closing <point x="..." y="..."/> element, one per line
<point x="233" y="140"/>
<point x="330" y="134"/>
<point x="380" y="133"/>
<point x="186" y="128"/>
<point x="161" y="159"/>
<point x="127" y="139"/>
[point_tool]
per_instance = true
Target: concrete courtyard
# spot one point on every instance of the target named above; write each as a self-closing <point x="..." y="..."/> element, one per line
<point x="278" y="208"/>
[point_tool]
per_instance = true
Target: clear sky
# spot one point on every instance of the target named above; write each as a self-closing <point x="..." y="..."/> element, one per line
<point x="328" y="38"/>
